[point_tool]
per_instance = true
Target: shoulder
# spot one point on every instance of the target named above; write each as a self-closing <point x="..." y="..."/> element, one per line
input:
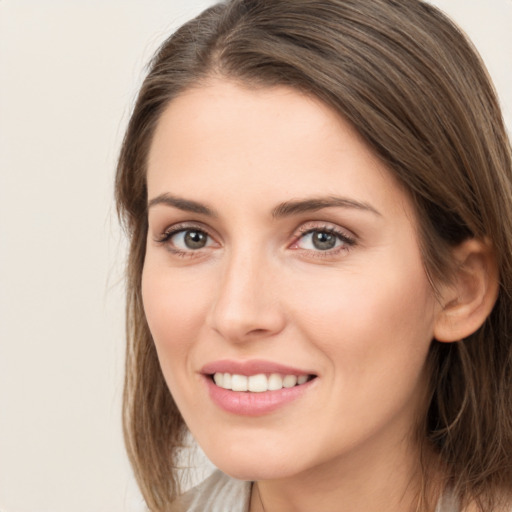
<point x="449" y="503"/>
<point x="219" y="491"/>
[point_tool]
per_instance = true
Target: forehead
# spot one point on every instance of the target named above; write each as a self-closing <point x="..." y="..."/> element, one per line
<point x="276" y="142"/>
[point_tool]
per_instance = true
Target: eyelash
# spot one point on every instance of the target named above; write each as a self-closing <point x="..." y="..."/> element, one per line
<point x="347" y="241"/>
<point x="166" y="236"/>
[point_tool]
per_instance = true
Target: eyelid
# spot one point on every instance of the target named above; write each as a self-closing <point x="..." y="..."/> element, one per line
<point x="316" y="225"/>
<point x="165" y="236"/>
<point x="348" y="238"/>
<point x="172" y="229"/>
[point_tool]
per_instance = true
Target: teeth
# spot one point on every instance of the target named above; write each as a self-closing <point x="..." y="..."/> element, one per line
<point x="289" y="381"/>
<point x="226" y="381"/>
<point x="275" y="382"/>
<point x="219" y="379"/>
<point x="239" y="382"/>
<point x="258" y="383"/>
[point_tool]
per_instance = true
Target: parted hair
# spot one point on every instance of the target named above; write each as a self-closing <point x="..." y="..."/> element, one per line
<point x="415" y="89"/>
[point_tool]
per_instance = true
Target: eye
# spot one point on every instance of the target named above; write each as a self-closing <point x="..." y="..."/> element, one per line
<point x="191" y="239"/>
<point x="319" y="240"/>
<point x="323" y="239"/>
<point x="186" y="240"/>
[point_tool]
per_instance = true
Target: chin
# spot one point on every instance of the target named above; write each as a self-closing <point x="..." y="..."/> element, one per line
<point x="251" y="471"/>
<point x="256" y="464"/>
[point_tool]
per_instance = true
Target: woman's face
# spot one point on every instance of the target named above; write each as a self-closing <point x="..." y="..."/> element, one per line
<point x="282" y="256"/>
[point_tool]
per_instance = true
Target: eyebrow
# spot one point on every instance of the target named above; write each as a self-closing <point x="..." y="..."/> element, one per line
<point x="314" y="204"/>
<point x="285" y="209"/>
<point x="186" y="205"/>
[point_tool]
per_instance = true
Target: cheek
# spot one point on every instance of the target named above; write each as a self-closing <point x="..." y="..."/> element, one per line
<point x="374" y="333"/>
<point x="367" y="321"/>
<point x="175" y="310"/>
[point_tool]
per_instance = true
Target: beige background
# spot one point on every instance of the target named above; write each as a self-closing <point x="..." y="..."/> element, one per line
<point x="69" y="70"/>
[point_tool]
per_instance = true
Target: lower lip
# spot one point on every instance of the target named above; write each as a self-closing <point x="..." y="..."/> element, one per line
<point x="254" y="404"/>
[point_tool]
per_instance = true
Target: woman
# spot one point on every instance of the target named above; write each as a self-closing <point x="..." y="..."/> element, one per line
<point x="318" y="195"/>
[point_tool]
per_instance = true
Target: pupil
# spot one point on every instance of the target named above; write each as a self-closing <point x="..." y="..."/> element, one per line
<point x="324" y="241"/>
<point x="195" y="239"/>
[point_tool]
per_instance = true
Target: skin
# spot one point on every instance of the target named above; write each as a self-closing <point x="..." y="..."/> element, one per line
<point x="360" y="316"/>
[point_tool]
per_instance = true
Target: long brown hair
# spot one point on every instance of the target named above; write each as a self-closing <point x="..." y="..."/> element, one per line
<point x="416" y="90"/>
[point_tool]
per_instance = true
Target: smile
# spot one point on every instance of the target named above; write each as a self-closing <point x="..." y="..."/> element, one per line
<point x="258" y="383"/>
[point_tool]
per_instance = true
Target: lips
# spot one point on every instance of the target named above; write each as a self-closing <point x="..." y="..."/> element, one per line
<point x="252" y="367"/>
<point x="256" y="387"/>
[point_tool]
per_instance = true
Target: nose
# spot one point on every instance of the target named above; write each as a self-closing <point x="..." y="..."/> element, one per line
<point x="246" y="305"/>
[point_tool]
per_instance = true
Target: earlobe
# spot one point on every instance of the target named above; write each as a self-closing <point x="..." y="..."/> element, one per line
<point x="469" y="298"/>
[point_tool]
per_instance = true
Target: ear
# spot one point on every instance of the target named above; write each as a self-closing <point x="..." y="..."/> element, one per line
<point x="469" y="298"/>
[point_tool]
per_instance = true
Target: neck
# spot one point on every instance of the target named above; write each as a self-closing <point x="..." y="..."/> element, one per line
<point x="374" y="483"/>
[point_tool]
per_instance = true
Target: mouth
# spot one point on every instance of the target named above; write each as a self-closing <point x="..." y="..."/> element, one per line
<point x="260" y="382"/>
<point x="255" y="387"/>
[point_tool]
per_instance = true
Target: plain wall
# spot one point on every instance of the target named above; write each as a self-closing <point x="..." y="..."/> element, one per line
<point x="69" y="71"/>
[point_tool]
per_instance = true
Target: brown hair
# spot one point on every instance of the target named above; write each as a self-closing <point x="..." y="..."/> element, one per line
<point x="416" y="90"/>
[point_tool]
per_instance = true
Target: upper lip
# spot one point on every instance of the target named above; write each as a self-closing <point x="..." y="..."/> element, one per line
<point x="251" y="367"/>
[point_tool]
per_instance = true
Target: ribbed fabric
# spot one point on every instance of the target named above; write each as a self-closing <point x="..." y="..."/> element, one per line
<point x="221" y="493"/>
<point x="218" y="493"/>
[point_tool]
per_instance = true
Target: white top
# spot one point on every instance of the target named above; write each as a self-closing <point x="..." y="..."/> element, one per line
<point x="218" y="493"/>
<point x="221" y="493"/>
